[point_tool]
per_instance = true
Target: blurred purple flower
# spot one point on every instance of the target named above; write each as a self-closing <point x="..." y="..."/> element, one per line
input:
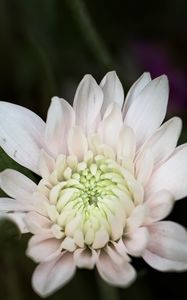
<point x="157" y="59"/>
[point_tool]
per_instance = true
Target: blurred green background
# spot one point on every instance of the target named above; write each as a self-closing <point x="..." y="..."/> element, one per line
<point x="46" y="46"/>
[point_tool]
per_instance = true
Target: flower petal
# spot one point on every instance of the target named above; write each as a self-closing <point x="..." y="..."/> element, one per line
<point x="9" y="205"/>
<point x="137" y="218"/>
<point x="20" y="131"/>
<point x="137" y="241"/>
<point x="164" y="140"/>
<point x="60" y="118"/>
<point x="159" y="206"/>
<point x="17" y="185"/>
<point x="37" y="223"/>
<point x="121" y="275"/>
<point x="117" y="252"/>
<point x="148" y="109"/>
<point x="112" y="90"/>
<point x="167" y="247"/>
<point x="43" y="247"/>
<point x="46" y="164"/>
<point x="144" y="166"/>
<point x="87" y="104"/>
<point x="77" y="143"/>
<point x="111" y="125"/>
<point x="171" y="175"/>
<point x="135" y="90"/>
<point x="126" y="145"/>
<point x="85" y="258"/>
<point x="51" y="276"/>
<point x="162" y="264"/>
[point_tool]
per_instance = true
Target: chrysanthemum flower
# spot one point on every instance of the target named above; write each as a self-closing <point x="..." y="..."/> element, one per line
<point x="109" y="175"/>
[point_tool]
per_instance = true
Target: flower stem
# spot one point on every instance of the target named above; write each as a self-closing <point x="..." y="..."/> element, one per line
<point x="90" y="34"/>
<point x="106" y="291"/>
<point x="13" y="285"/>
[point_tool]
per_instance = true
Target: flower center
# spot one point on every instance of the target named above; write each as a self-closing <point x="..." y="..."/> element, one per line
<point x="90" y="200"/>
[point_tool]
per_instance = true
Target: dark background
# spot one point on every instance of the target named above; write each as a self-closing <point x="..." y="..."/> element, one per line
<point x="46" y="46"/>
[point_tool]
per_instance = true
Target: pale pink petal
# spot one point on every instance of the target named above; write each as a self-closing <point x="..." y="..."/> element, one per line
<point x="46" y="164"/>
<point x="144" y="166"/>
<point x="120" y="275"/>
<point x="43" y="247"/>
<point x="111" y="125"/>
<point x="41" y="202"/>
<point x="126" y="145"/>
<point x="162" y="264"/>
<point x="164" y="140"/>
<point x="135" y="90"/>
<point x="171" y="175"/>
<point x="51" y="276"/>
<point x="85" y="258"/>
<point x="167" y="247"/>
<point x="117" y="252"/>
<point x="37" y="223"/>
<point x="77" y="143"/>
<point x="112" y="90"/>
<point x="159" y="206"/>
<point x="87" y="104"/>
<point x="137" y="241"/>
<point x="148" y="110"/>
<point x="136" y="219"/>
<point x="21" y="134"/>
<point x="17" y="185"/>
<point x="8" y="204"/>
<point x="60" y="118"/>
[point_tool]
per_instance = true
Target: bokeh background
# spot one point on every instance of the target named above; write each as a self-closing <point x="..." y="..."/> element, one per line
<point x="46" y="46"/>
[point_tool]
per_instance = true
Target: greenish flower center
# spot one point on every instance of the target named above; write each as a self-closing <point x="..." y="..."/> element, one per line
<point x="90" y="200"/>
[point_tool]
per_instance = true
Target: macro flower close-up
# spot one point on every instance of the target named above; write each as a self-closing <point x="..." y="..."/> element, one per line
<point x="110" y="171"/>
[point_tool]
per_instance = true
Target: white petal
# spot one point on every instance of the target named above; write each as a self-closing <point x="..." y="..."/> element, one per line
<point x="135" y="90"/>
<point x="148" y="109"/>
<point x="111" y="125"/>
<point x="46" y="164"/>
<point x="121" y="275"/>
<point x="85" y="258"/>
<point x="87" y="104"/>
<point x="17" y="185"/>
<point x="7" y="204"/>
<point x="51" y="276"/>
<point x="162" y="264"/>
<point x="112" y="90"/>
<point x="116" y="225"/>
<point x="43" y="247"/>
<point x="37" y="223"/>
<point x="159" y="206"/>
<point x="77" y="143"/>
<point x="164" y="140"/>
<point x="126" y="145"/>
<point x="171" y="175"/>
<point x="144" y="166"/>
<point x="167" y="247"/>
<point x="117" y="253"/>
<point x="101" y="238"/>
<point x="68" y="244"/>
<point x="60" y="118"/>
<point x="137" y="241"/>
<point x="137" y="218"/>
<point x="21" y="134"/>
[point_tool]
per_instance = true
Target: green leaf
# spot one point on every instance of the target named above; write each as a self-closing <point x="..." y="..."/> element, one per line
<point x="8" y="230"/>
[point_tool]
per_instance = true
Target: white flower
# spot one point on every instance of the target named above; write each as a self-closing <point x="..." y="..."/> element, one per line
<point x="109" y="176"/>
